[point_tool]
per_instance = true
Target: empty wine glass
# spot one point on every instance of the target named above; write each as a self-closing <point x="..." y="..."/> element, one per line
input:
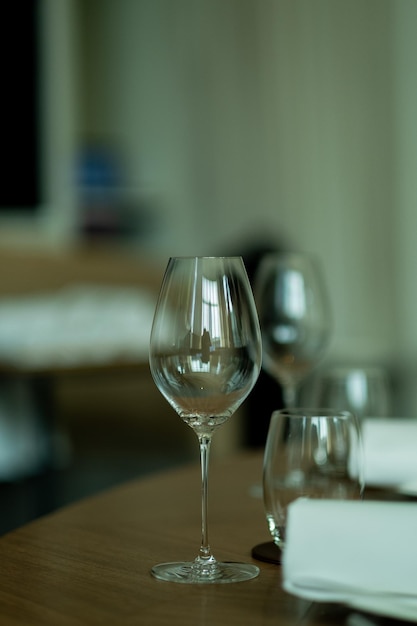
<point x="295" y="318"/>
<point x="312" y="453"/>
<point x="205" y="357"/>
<point x="365" y="391"/>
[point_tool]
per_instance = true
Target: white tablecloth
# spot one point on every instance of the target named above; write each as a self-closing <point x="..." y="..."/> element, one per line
<point x="78" y="324"/>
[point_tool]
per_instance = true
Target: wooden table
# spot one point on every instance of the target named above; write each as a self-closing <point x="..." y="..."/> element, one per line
<point x="90" y="563"/>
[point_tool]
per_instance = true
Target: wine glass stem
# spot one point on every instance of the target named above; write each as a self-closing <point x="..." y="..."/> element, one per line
<point x="205" y="442"/>
<point x="289" y="392"/>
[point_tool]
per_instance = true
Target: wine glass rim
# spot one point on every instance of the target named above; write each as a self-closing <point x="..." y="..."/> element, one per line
<point x="185" y="257"/>
<point x="296" y="259"/>
<point x="309" y="413"/>
<point x="342" y="371"/>
<point x="278" y="254"/>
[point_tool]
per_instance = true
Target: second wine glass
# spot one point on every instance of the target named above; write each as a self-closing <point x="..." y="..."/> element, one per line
<point x="295" y="318"/>
<point x="205" y="357"/>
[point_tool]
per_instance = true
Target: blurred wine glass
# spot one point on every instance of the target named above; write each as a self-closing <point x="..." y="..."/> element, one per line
<point x="364" y="391"/>
<point x="295" y="318"/>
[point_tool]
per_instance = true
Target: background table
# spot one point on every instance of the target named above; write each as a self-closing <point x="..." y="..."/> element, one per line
<point x="89" y="563"/>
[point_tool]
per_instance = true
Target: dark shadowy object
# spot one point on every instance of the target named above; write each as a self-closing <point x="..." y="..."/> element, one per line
<point x="266" y="396"/>
<point x="268" y="552"/>
<point x="19" y="106"/>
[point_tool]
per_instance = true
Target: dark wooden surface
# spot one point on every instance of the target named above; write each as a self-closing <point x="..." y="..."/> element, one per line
<point x="89" y="563"/>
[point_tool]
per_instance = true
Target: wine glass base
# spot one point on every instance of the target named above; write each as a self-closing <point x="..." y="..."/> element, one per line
<point x="189" y="573"/>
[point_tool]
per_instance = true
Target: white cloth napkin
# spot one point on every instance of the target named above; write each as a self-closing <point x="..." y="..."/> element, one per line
<point x="360" y="553"/>
<point x="390" y="451"/>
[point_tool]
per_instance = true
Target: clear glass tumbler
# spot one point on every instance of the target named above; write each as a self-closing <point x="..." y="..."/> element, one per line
<point x="310" y="453"/>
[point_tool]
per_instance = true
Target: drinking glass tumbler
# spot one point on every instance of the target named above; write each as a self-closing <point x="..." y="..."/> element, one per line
<point x="310" y="453"/>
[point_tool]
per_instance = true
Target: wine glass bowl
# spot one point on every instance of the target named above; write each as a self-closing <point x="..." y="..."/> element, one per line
<point x="310" y="453"/>
<point x="205" y="357"/>
<point x="364" y="391"/>
<point x="295" y="317"/>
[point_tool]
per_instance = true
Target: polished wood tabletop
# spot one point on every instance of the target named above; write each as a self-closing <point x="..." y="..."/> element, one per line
<point x="89" y="563"/>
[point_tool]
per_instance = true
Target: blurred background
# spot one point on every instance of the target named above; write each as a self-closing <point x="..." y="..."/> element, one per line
<point x="141" y="129"/>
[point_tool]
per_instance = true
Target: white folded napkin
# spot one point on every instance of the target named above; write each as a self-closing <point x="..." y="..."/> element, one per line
<point x="390" y="451"/>
<point x="363" y="554"/>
